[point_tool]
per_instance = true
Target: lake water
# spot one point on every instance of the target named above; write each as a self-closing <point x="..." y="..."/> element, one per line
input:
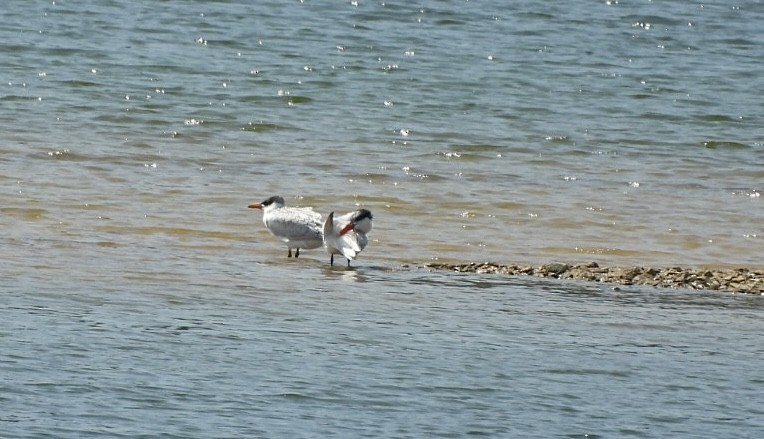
<point x="139" y="297"/>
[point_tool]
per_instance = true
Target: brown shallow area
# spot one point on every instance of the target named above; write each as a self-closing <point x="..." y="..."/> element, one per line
<point x="738" y="280"/>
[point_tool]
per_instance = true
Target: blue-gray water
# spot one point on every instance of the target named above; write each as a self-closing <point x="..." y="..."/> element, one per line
<point x="293" y="350"/>
<point x="139" y="297"/>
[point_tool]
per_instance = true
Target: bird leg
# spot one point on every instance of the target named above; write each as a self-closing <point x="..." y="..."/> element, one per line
<point x="297" y="253"/>
<point x="289" y="254"/>
<point x="331" y="260"/>
<point x="348" y="263"/>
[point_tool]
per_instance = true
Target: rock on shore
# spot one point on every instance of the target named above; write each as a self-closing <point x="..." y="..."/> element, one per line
<point x="740" y="280"/>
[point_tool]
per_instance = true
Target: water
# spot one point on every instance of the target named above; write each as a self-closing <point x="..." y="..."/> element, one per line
<point x="626" y="133"/>
<point x="140" y="297"/>
<point x="375" y="353"/>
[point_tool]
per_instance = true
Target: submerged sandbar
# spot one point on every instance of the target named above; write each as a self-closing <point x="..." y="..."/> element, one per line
<point x="737" y="280"/>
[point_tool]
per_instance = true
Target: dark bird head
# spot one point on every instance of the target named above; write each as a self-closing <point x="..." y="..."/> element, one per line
<point x="275" y="200"/>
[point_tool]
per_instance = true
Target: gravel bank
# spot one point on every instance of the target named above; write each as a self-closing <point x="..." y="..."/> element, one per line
<point x="739" y="280"/>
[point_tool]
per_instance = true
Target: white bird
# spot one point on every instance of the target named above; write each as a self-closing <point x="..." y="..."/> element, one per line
<point x="297" y="227"/>
<point x="337" y="237"/>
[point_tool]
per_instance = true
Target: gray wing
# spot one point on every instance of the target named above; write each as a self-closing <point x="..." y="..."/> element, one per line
<point x="295" y="225"/>
<point x="362" y="240"/>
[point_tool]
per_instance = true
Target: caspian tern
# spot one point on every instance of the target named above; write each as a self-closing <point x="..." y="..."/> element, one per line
<point x="338" y="239"/>
<point x="298" y="227"/>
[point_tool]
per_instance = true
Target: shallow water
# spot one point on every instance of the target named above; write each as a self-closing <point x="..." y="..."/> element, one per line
<point x="140" y="296"/>
<point x="623" y="133"/>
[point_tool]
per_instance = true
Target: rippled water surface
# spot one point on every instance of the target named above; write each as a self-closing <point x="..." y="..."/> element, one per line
<point x="140" y="297"/>
<point x="626" y="133"/>
<point x="287" y="350"/>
